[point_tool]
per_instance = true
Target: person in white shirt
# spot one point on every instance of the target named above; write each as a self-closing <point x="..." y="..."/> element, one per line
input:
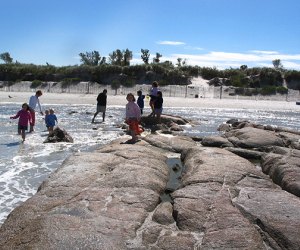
<point x="33" y="102"/>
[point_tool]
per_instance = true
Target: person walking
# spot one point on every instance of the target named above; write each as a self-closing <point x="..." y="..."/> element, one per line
<point x="101" y="105"/>
<point x="33" y="102"/>
<point x="24" y="118"/>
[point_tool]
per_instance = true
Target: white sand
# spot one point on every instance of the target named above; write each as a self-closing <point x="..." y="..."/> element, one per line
<point x="63" y="98"/>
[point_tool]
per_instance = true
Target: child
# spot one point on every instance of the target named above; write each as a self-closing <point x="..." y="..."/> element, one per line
<point x="133" y="115"/>
<point x="24" y="118"/>
<point x="140" y="100"/>
<point x="153" y="95"/>
<point x="158" y="105"/>
<point x="50" y="121"/>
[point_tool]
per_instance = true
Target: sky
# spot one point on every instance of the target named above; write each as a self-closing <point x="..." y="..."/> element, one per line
<point x="208" y="33"/>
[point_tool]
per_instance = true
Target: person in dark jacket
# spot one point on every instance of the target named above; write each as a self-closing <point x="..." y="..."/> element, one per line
<point x="140" y="100"/>
<point x="158" y="106"/>
<point x="101" y="105"/>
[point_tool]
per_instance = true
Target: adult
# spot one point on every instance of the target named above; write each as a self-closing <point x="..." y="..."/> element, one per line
<point x="101" y="105"/>
<point x="153" y="95"/>
<point x="33" y="102"/>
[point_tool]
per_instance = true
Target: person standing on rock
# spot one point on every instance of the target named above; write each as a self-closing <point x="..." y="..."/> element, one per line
<point x="140" y="100"/>
<point x="101" y="105"/>
<point x="153" y="95"/>
<point x="33" y="102"/>
<point x="158" y="106"/>
<point x="133" y="116"/>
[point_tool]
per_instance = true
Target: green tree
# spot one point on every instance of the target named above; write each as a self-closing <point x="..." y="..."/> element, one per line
<point x="116" y="57"/>
<point x="120" y="58"/>
<point x="92" y="58"/>
<point x="243" y="67"/>
<point x="6" y="57"/>
<point x="145" y="55"/>
<point x="277" y="64"/>
<point x="156" y="58"/>
<point x="127" y="56"/>
<point x="179" y="61"/>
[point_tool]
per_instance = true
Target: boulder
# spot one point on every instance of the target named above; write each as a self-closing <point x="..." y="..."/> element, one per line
<point x="250" y="137"/>
<point x="216" y="141"/>
<point x="284" y="171"/>
<point x="163" y="214"/>
<point x="58" y="135"/>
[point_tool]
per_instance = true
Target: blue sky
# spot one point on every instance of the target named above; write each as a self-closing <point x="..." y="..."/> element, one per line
<point x="212" y="33"/>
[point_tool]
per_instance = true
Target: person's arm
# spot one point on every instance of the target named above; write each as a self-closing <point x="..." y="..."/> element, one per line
<point x="16" y="116"/>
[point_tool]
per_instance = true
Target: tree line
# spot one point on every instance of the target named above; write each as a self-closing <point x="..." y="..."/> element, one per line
<point x="116" y="70"/>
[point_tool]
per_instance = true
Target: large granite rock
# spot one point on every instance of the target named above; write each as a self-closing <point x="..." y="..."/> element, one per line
<point x="277" y="149"/>
<point x="112" y="198"/>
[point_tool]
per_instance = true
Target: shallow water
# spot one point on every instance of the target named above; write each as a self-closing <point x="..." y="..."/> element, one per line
<point x="23" y="166"/>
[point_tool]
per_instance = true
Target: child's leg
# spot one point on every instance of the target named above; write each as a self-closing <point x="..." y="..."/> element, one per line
<point x="23" y="134"/>
<point x="133" y="135"/>
<point x="19" y="131"/>
<point x="50" y="130"/>
<point x="158" y="117"/>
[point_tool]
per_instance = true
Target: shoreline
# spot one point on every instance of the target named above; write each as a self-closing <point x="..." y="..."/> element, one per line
<point x="169" y="102"/>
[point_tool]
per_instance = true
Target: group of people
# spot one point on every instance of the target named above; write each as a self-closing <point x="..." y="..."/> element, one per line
<point x="134" y="110"/>
<point x="27" y="116"/>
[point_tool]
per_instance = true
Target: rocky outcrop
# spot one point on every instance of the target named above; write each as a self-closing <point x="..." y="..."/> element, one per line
<point x="58" y="135"/>
<point x="168" y="123"/>
<point x="276" y="148"/>
<point x="169" y="192"/>
<point x="115" y="198"/>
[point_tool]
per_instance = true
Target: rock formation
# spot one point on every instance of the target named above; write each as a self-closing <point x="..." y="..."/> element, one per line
<point x="58" y="135"/>
<point x="115" y="197"/>
<point x="278" y="149"/>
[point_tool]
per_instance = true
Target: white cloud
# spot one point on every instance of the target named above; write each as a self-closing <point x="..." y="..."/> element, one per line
<point x="264" y="52"/>
<point x="192" y="48"/>
<point x="173" y="43"/>
<point x="291" y="65"/>
<point x="224" y="60"/>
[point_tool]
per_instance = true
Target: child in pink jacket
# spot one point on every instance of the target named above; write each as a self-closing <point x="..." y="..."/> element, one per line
<point x="133" y="116"/>
<point x="24" y="118"/>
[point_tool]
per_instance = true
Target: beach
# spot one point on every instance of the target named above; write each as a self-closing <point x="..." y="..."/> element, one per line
<point x="120" y="100"/>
